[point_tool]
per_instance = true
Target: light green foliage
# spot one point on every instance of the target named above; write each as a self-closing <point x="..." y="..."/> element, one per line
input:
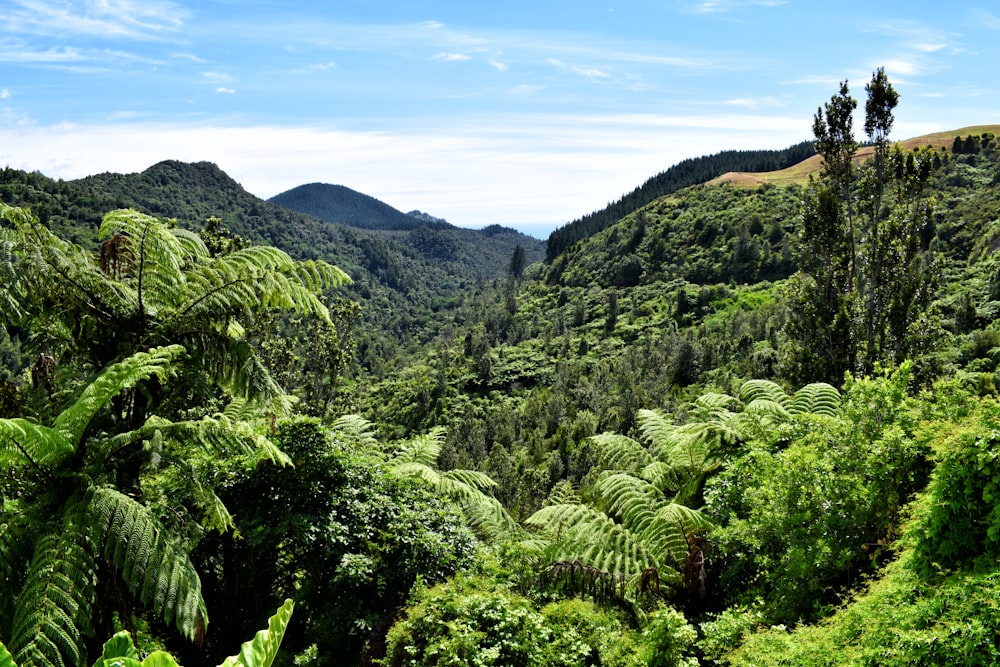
<point x="417" y="457"/>
<point x="262" y="649"/>
<point x="669" y="640"/>
<point x="936" y="604"/>
<point x="805" y="516"/>
<point x="471" y="620"/>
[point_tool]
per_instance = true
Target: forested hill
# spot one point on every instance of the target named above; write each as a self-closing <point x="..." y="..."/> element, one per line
<point x="685" y="173"/>
<point x="338" y="203"/>
<point x="399" y="277"/>
<point x="432" y="238"/>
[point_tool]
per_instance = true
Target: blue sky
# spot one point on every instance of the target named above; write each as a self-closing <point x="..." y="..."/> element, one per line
<point x="527" y="114"/>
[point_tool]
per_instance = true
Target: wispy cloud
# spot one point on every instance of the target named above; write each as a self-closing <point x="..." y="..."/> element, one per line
<point x="24" y="54"/>
<point x="127" y="19"/>
<point x="499" y="65"/>
<point x="227" y="91"/>
<point x="726" y="6"/>
<point x="986" y="19"/>
<point x="587" y="72"/>
<point x="754" y="103"/>
<point x="4" y="94"/>
<point x="452" y="57"/>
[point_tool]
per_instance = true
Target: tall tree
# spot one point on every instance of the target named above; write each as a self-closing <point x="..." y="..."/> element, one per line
<point x="867" y="274"/>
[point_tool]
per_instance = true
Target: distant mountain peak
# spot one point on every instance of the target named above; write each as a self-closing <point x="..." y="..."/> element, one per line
<point x="342" y="205"/>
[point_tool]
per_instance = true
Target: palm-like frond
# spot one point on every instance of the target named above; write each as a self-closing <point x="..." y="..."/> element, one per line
<point x="112" y="381"/>
<point x="23" y="441"/>
<point x="818" y="398"/>
<point x="156" y="571"/>
<point x="620" y="452"/>
<point x="423" y="449"/>
<point x="655" y="428"/>
<point x="53" y="611"/>
<point x="580" y="532"/>
<point x="357" y="428"/>
<point x="753" y="390"/>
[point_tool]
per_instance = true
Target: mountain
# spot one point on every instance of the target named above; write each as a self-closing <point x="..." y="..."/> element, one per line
<point x="400" y="277"/>
<point x="337" y="203"/>
<point x="485" y="253"/>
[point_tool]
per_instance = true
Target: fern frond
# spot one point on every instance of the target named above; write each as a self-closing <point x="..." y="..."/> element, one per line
<point x="24" y="442"/>
<point x="234" y="365"/>
<point x="157" y="254"/>
<point x="634" y="501"/>
<point x="667" y="535"/>
<point x="357" y="428"/>
<point x="655" y="428"/>
<point x="417" y="470"/>
<point x="490" y="519"/>
<point x="116" y="378"/>
<point x="662" y="475"/>
<point x="753" y="390"/>
<point x="564" y="491"/>
<point x="471" y="478"/>
<point x="53" y="610"/>
<point x="153" y="567"/>
<point x="712" y="406"/>
<point x="423" y="449"/>
<point x="620" y="452"/>
<point x="818" y="398"/>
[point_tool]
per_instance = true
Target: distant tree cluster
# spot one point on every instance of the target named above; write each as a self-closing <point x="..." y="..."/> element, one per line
<point x="685" y="173"/>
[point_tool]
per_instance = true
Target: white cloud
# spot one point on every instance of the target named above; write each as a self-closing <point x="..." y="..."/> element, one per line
<point x="217" y="77"/>
<point x="513" y="170"/>
<point x="452" y="57"/>
<point x="498" y="65"/>
<point x="754" y="103"/>
<point x="227" y="91"/>
<point x="4" y="94"/>
<point x="21" y="54"/>
<point x="128" y="19"/>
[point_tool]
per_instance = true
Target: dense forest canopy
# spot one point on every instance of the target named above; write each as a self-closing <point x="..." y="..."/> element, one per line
<point x="718" y="425"/>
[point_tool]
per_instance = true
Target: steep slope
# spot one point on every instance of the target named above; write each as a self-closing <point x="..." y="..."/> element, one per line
<point x="337" y="203"/>
<point x="683" y="174"/>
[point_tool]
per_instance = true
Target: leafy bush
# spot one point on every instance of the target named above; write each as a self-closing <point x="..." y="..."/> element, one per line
<point x="801" y="524"/>
<point x="474" y="619"/>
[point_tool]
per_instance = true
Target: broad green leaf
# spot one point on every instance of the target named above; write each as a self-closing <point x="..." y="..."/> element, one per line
<point x="262" y="649"/>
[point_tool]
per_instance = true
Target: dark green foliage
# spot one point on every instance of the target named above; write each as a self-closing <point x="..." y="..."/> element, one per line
<point x="336" y="203"/>
<point x="869" y="276"/>
<point x="338" y="533"/>
<point x="685" y="173"/>
<point x="704" y="236"/>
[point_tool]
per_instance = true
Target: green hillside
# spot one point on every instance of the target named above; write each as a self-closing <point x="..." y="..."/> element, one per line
<point x="336" y="203"/>
<point x="733" y="423"/>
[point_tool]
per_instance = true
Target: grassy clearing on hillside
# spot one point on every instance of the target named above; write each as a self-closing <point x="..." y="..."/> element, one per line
<point x="799" y="174"/>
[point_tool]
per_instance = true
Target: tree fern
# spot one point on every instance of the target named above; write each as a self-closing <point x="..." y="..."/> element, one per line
<point x="153" y="568"/>
<point x="817" y="398"/>
<point x="417" y="458"/>
<point x="53" y="610"/>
